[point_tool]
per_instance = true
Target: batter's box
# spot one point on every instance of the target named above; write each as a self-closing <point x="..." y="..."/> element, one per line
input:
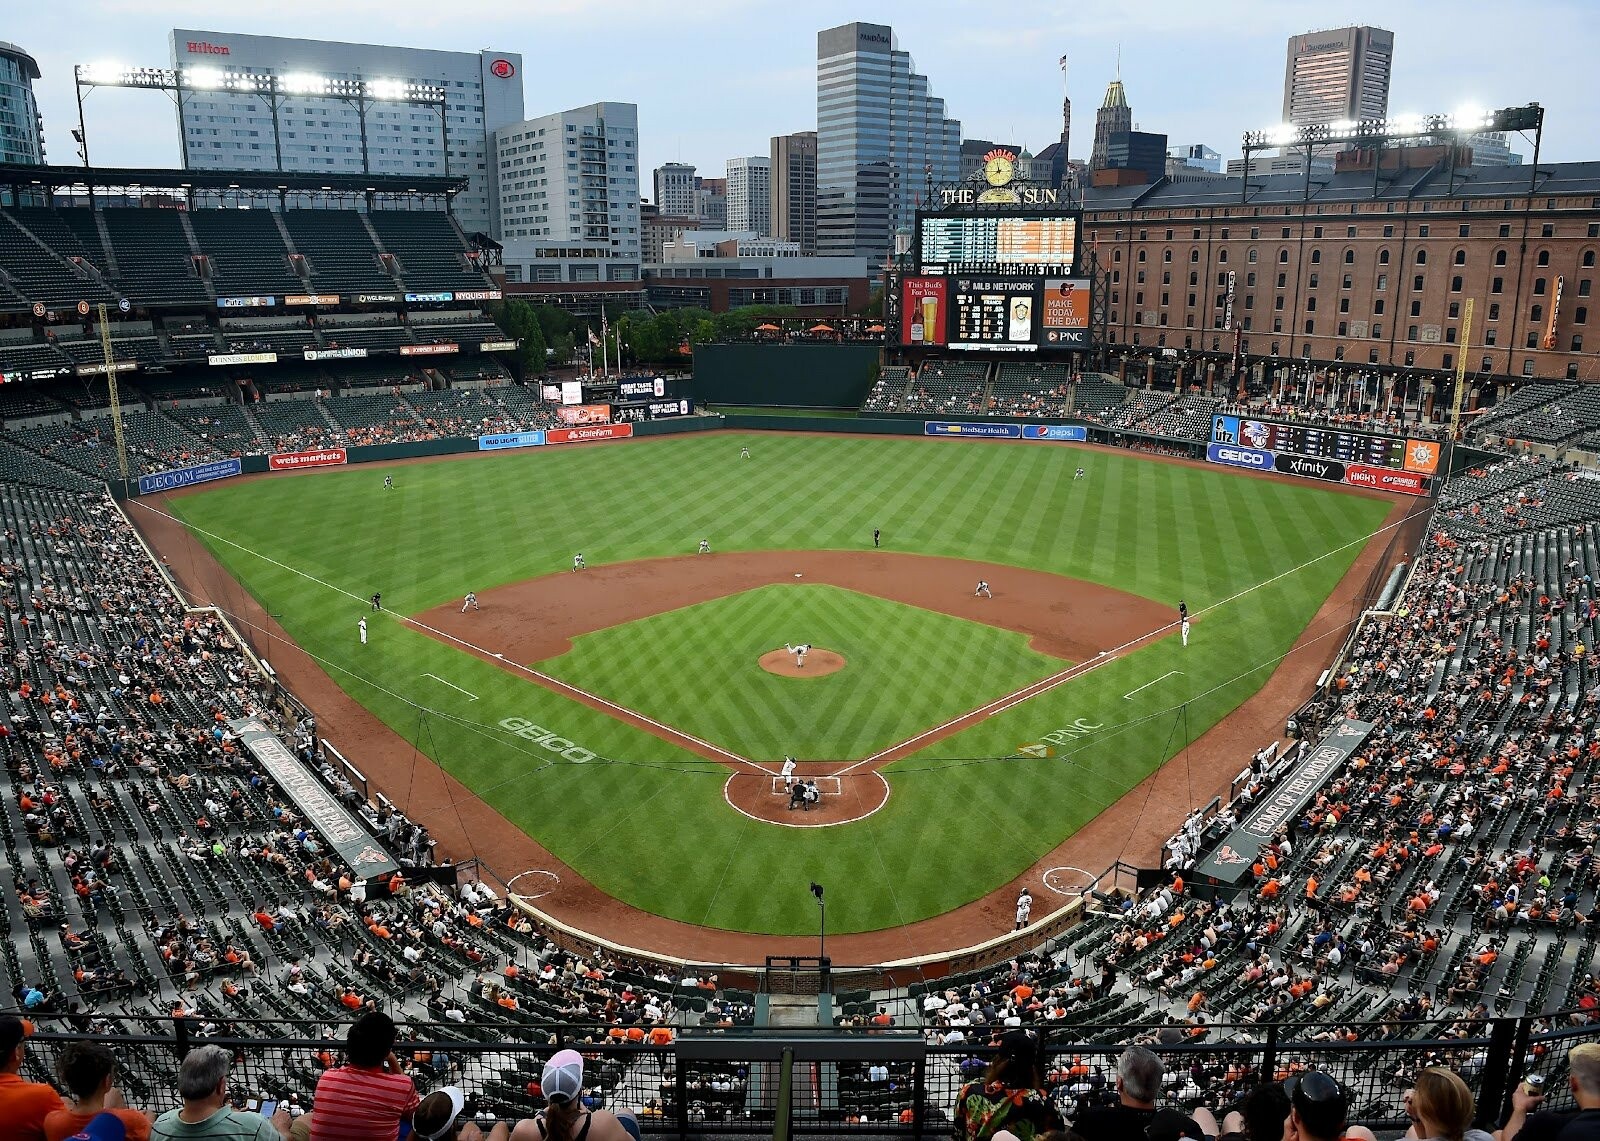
<point x="827" y="786"/>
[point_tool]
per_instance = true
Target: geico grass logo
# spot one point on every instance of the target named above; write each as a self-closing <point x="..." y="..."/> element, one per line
<point x="546" y="739"/>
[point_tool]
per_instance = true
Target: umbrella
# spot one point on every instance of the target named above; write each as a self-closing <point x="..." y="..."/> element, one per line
<point x="821" y="328"/>
<point x="874" y="328"/>
<point x="767" y="328"/>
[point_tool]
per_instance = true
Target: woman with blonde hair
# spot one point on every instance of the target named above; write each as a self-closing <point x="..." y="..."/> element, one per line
<point x="1442" y="1107"/>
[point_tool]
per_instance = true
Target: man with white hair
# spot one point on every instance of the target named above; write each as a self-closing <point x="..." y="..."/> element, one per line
<point x="203" y="1085"/>
<point x="1138" y="1083"/>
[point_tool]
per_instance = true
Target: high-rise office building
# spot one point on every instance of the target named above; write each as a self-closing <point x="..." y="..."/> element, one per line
<point x="1339" y="74"/>
<point x="21" y="129"/>
<point x="1114" y="118"/>
<point x="569" y="193"/>
<point x="882" y="136"/>
<point x="235" y="130"/>
<point x="794" y="189"/>
<point x="750" y="194"/>
<point x="674" y="188"/>
<point x="711" y="202"/>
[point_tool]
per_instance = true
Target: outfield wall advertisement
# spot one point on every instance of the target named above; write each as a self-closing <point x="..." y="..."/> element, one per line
<point x="317" y="457"/>
<point x="584" y="435"/>
<point x="510" y="440"/>
<point x="1075" y="433"/>
<point x="1317" y="467"/>
<point x="980" y="431"/>
<point x="184" y="476"/>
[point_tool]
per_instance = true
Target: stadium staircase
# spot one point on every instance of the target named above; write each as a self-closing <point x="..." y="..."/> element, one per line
<point x="47" y="263"/>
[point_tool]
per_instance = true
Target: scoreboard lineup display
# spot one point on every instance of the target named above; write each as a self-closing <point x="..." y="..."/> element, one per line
<point x="1307" y="440"/>
<point x="996" y="282"/>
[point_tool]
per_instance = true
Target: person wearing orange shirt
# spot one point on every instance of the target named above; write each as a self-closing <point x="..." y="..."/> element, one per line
<point x="88" y="1070"/>
<point x="23" y="1105"/>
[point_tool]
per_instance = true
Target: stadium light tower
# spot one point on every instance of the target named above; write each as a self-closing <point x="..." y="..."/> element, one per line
<point x="273" y="89"/>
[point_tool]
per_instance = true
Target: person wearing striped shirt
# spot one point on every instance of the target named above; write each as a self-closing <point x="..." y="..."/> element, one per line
<point x="368" y="1097"/>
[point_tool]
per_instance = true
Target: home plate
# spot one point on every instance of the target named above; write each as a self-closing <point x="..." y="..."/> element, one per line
<point x="796" y="574"/>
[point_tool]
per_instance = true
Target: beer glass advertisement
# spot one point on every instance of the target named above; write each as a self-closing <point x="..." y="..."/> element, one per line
<point x="922" y="316"/>
<point x="1065" y="323"/>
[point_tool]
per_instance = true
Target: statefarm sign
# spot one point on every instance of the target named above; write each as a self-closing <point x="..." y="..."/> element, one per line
<point x="584" y="435"/>
<point x="317" y="457"/>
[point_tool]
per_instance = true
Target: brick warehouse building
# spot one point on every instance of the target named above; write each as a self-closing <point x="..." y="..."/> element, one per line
<point x="1367" y="272"/>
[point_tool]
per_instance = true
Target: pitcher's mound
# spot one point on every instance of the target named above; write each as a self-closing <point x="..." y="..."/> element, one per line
<point x="819" y="663"/>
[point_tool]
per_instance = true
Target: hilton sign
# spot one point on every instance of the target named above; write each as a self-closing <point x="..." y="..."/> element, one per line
<point x="200" y="47"/>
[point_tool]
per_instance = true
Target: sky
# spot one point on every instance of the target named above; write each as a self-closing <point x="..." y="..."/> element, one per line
<point x="717" y="78"/>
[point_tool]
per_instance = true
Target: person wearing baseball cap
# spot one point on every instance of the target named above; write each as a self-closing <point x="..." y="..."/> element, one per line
<point x="436" y="1119"/>
<point x="564" y="1117"/>
<point x="23" y="1105"/>
<point x="1318" y="1110"/>
<point x="102" y="1127"/>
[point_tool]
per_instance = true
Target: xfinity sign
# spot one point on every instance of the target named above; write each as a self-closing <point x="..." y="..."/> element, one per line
<point x="1309" y="467"/>
<point x="1235" y="456"/>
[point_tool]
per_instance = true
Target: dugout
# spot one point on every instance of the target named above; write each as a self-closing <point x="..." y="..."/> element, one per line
<point x="790" y="375"/>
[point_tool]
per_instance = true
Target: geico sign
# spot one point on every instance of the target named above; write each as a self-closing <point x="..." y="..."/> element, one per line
<point x="1235" y="456"/>
<point x="546" y="739"/>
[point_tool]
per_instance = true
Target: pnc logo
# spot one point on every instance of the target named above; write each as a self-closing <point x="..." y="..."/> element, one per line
<point x="201" y="47"/>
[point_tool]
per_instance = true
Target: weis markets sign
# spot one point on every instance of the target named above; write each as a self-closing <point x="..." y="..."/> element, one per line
<point x="184" y="476"/>
<point x="318" y="457"/>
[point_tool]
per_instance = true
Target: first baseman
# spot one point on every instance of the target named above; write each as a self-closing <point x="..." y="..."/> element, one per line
<point x="471" y="600"/>
<point x="362" y="626"/>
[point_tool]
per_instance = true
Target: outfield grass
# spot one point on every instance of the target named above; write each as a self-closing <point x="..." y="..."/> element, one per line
<point x="654" y="829"/>
<point x="907" y="669"/>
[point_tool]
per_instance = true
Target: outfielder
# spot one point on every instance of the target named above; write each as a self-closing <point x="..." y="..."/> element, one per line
<point x="983" y="589"/>
<point x="362" y="626"/>
<point x="577" y="561"/>
<point x="388" y="481"/>
<point x="471" y="600"/>
<point x="705" y="547"/>
<point x="744" y="453"/>
<point x="788" y="772"/>
<point x="1078" y="474"/>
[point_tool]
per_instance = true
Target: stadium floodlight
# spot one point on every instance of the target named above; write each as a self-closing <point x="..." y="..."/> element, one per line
<point x="303" y="83"/>
<point x="100" y="72"/>
<point x="391" y="90"/>
<point x="205" y="78"/>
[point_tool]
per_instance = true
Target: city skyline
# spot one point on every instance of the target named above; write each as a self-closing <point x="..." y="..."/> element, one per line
<point x="998" y="76"/>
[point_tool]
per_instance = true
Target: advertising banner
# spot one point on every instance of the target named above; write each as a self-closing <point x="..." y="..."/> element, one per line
<point x="991" y="431"/>
<point x="1385" y="479"/>
<point x="510" y="440"/>
<point x="426" y="297"/>
<point x="355" y="845"/>
<point x="184" y="476"/>
<point x="377" y="298"/>
<point x="311" y="299"/>
<point x="923" y="310"/>
<point x="652" y="410"/>
<point x="335" y="354"/>
<point x="550" y="393"/>
<point x="1230" y="863"/>
<point x="572" y="392"/>
<point x="573" y="414"/>
<point x="317" y="457"/>
<point x="246" y="302"/>
<point x="594" y="432"/>
<point x="1065" y="322"/>
<point x="242" y="358"/>
<point x="1422" y="456"/>
<point x="477" y="295"/>
<point x="97" y="369"/>
<point x="642" y="389"/>
<point x="1309" y="467"/>
<point x="1073" y="432"/>
<point x="429" y="350"/>
<point x="496" y="346"/>
<point x="1234" y="455"/>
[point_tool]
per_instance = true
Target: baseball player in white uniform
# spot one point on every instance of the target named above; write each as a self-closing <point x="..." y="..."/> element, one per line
<point x="1024" y="909"/>
<point x="799" y="653"/>
<point x="744" y="453"/>
<point x="577" y="561"/>
<point x="705" y="547"/>
<point x="787" y="772"/>
<point x="983" y="589"/>
<point x="362" y="626"/>
<point x="471" y="600"/>
<point x="1183" y="628"/>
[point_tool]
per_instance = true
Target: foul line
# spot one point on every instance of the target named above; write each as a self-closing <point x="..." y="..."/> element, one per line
<point x="1170" y="673"/>
<point x="452" y="685"/>
<point x="547" y="680"/>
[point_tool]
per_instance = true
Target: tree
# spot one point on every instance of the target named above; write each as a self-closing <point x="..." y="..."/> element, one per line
<point x="517" y="318"/>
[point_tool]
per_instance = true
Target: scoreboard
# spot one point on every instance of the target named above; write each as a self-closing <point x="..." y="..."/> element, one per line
<point x="1037" y="244"/>
<point x="1310" y="440"/>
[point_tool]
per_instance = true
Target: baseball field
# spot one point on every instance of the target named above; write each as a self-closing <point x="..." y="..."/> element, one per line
<point x="622" y="717"/>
